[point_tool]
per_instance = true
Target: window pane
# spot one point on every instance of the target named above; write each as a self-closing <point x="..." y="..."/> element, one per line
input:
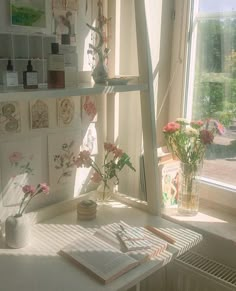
<point x="213" y="90"/>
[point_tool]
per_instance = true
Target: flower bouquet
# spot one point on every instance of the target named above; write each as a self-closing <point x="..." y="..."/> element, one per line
<point x="188" y="142"/>
<point x="114" y="161"/>
<point x="29" y="193"/>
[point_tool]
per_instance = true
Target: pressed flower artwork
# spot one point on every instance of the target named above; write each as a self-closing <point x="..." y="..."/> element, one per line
<point x="89" y="109"/>
<point x="90" y="139"/>
<point x="10" y="121"/>
<point x="68" y="112"/>
<point x="22" y="165"/>
<point x="62" y="152"/>
<point x="39" y="114"/>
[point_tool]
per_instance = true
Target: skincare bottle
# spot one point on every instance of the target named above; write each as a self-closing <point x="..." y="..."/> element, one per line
<point x="10" y="78"/>
<point x="30" y="77"/>
<point x="56" y="68"/>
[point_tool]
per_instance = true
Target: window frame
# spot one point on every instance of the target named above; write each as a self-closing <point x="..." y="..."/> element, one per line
<point x="218" y="193"/>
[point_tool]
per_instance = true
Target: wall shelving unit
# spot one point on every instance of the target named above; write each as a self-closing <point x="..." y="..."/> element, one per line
<point x="81" y="89"/>
<point x="37" y="47"/>
<point x="22" y="47"/>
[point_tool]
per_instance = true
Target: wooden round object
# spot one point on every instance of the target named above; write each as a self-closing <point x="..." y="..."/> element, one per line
<point x="86" y="210"/>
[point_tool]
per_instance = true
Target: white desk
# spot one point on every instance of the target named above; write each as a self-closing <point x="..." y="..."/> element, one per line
<point x="38" y="267"/>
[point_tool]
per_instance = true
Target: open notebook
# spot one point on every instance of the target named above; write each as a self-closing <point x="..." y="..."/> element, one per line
<point x="102" y="254"/>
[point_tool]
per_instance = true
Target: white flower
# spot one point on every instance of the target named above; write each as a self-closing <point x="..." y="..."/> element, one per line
<point x="190" y="131"/>
<point x="182" y="121"/>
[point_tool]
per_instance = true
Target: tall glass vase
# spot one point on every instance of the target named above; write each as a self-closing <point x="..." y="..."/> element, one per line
<point x="188" y="192"/>
<point x="104" y="191"/>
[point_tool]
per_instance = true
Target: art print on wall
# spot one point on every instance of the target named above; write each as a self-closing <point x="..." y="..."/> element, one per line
<point x="10" y="121"/>
<point x="29" y="13"/>
<point x="65" y="4"/>
<point x="65" y="111"/>
<point x="22" y="165"/>
<point x="89" y="109"/>
<point x="65" y="18"/>
<point x="62" y="150"/>
<point x="39" y="114"/>
<point x="90" y="139"/>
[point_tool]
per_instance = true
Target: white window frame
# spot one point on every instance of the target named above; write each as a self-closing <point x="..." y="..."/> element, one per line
<point x="149" y="62"/>
<point x="218" y="194"/>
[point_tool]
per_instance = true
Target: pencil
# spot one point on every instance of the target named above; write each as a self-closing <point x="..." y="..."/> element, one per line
<point x="161" y="234"/>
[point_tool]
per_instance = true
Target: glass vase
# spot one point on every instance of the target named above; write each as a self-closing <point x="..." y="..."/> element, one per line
<point x="188" y="192"/>
<point x="104" y="191"/>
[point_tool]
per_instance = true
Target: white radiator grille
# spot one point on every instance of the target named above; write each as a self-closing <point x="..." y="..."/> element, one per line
<point x="218" y="273"/>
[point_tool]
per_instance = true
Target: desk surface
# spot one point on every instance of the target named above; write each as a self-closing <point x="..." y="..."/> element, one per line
<point x="38" y="267"/>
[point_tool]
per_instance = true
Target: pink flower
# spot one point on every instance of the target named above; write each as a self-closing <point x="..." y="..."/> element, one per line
<point x="44" y="188"/>
<point x="171" y="127"/>
<point x="109" y="147"/>
<point x="28" y="189"/>
<point x="197" y="124"/>
<point x="206" y="136"/>
<point x="219" y="127"/>
<point x="15" y="157"/>
<point x="84" y="159"/>
<point x="118" y="153"/>
<point x="96" y="178"/>
<point x="79" y="162"/>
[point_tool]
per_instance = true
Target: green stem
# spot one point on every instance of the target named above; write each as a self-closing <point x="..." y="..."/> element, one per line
<point x="27" y="203"/>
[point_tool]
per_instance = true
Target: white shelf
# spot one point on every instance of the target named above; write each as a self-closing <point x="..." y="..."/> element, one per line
<point x="82" y="89"/>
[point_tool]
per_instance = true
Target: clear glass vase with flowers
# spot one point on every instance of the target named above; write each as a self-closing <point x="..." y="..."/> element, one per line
<point x="17" y="227"/>
<point x="188" y="142"/>
<point x="106" y="175"/>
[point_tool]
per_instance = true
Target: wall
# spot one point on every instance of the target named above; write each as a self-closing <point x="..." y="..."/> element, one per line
<point x="39" y="138"/>
<point x="83" y="33"/>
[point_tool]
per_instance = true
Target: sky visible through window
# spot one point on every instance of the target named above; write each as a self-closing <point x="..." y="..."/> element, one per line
<point x="217" y="5"/>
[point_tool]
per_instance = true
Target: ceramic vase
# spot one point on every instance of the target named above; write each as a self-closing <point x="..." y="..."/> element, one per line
<point x="100" y="73"/>
<point x="188" y="192"/>
<point x="17" y="231"/>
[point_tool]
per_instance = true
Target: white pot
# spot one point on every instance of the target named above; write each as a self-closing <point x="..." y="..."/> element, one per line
<point x="17" y="231"/>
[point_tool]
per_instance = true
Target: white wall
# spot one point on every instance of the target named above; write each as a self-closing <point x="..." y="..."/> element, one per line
<point x="83" y="40"/>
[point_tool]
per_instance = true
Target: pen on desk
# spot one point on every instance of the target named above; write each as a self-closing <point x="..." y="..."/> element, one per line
<point x="161" y="234"/>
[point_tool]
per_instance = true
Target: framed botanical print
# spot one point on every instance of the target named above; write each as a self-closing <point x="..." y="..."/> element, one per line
<point x="31" y="13"/>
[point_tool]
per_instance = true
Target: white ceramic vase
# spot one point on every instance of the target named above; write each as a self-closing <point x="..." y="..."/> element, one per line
<point x="17" y="231"/>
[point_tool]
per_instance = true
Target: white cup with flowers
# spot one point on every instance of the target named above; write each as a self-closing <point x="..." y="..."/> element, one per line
<point x="17" y="227"/>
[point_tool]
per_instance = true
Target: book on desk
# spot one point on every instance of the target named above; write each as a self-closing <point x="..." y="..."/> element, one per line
<point x="113" y="250"/>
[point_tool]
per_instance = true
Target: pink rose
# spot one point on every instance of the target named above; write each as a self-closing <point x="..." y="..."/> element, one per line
<point x="28" y="189"/>
<point x="96" y="178"/>
<point x="171" y="127"/>
<point x="83" y="159"/>
<point x="44" y="188"/>
<point x="118" y="153"/>
<point x="79" y="162"/>
<point x="109" y="147"/>
<point x="15" y="157"/>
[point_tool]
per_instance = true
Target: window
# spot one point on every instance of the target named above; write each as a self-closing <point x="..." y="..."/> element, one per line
<point x="211" y="83"/>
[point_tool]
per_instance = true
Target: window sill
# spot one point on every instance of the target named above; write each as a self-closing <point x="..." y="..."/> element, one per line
<point x="218" y="228"/>
<point x="210" y="220"/>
